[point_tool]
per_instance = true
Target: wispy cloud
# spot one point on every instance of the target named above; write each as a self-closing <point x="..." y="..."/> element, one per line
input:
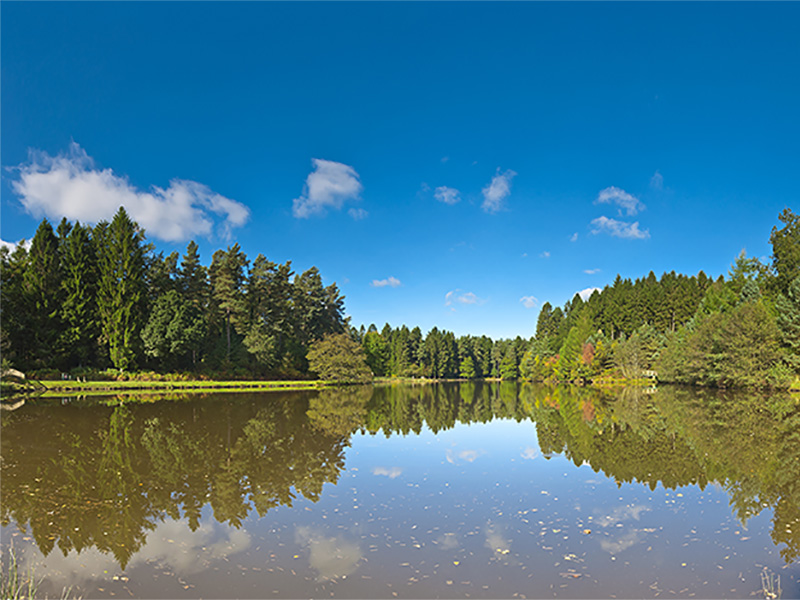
<point x="528" y="301"/>
<point x="627" y="202"/>
<point x="657" y="181"/>
<point x="390" y="282"/>
<point x="459" y="297"/>
<point x="620" y="229"/>
<point x="545" y="254"/>
<point x="70" y="185"/>
<point x="574" y="237"/>
<point x="390" y="472"/>
<point x="329" y="185"/>
<point x="529" y="453"/>
<point x="587" y="293"/>
<point x="497" y="191"/>
<point x="591" y="271"/>
<point x="465" y="455"/>
<point x="358" y="214"/>
<point x="447" y="195"/>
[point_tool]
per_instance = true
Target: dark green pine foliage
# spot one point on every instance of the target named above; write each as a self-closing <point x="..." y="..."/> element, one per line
<point x="15" y="310"/>
<point x="121" y="287"/>
<point x="44" y="293"/>
<point x="192" y="278"/>
<point x="269" y="299"/>
<point x="79" y="310"/>
<point x="509" y="366"/>
<point x="174" y="331"/>
<point x="377" y="353"/>
<point x="788" y="308"/>
<point x="786" y="250"/>
<point x="227" y="277"/>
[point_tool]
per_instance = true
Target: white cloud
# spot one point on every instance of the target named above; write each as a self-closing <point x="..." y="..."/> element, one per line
<point x="614" y="195"/>
<point x="447" y="195"/>
<point x="70" y="185"/>
<point x="657" y="181"/>
<point x="390" y="282"/>
<point x="587" y="293"/>
<point x="12" y="246"/>
<point x="574" y="237"/>
<point x="329" y="185"/>
<point x="358" y="213"/>
<point x="619" y="229"/>
<point x="545" y="254"/>
<point x="528" y="301"/>
<point x="390" y="472"/>
<point x="497" y="191"/>
<point x="591" y="271"/>
<point x="529" y="453"/>
<point x="461" y="298"/>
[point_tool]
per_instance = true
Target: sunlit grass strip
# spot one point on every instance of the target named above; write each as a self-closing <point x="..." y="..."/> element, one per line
<point x="110" y="386"/>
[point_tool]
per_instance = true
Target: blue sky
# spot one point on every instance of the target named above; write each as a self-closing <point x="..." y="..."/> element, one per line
<point x="449" y="164"/>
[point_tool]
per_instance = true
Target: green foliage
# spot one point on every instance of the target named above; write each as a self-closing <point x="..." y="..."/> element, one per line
<point x="43" y="292"/>
<point x="337" y="357"/>
<point x="175" y="328"/>
<point x="121" y="287"/>
<point x="786" y="250"/>
<point x="788" y="308"/>
<point x="467" y="368"/>
<point x="376" y="351"/>
<point x="509" y="370"/>
<point x="79" y="310"/>
<point x="738" y="348"/>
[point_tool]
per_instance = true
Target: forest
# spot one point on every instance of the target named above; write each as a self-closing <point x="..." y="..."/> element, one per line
<point x="82" y="299"/>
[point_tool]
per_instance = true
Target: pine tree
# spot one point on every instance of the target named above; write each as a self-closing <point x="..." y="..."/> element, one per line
<point x="227" y="275"/>
<point x="788" y="308"/>
<point x="121" y="286"/>
<point x="79" y="310"/>
<point x="43" y="291"/>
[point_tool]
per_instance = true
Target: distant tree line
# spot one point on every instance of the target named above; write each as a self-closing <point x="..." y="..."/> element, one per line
<point x="734" y="332"/>
<point x="98" y="297"/>
<point x="400" y="352"/>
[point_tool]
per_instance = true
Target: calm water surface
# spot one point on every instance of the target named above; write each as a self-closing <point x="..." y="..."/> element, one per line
<point x="452" y="491"/>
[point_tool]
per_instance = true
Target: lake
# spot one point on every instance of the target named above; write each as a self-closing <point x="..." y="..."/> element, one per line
<point x="412" y="491"/>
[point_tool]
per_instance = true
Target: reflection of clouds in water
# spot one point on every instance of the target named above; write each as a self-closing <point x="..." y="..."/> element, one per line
<point x="529" y="453"/>
<point x="620" y="514"/>
<point x="615" y="546"/>
<point x="390" y="472"/>
<point x="447" y="541"/>
<point x="497" y="542"/>
<point x="331" y="557"/>
<point x="466" y="455"/>
<point x="171" y="544"/>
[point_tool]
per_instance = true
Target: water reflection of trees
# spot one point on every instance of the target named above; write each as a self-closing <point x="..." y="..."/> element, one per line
<point x="105" y="476"/>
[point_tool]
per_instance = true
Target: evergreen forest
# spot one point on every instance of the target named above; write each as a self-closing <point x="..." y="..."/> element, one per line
<point x="83" y="300"/>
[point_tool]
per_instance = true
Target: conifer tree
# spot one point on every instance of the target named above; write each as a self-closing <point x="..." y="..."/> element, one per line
<point x="43" y="291"/>
<point x="79" y="311"/>
<point x="121" y="286"/>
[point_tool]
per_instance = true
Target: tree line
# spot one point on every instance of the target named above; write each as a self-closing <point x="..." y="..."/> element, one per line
<point x="84" y="297"/>
<point x="739" y="331"/>
<point x="94" y="297"/>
